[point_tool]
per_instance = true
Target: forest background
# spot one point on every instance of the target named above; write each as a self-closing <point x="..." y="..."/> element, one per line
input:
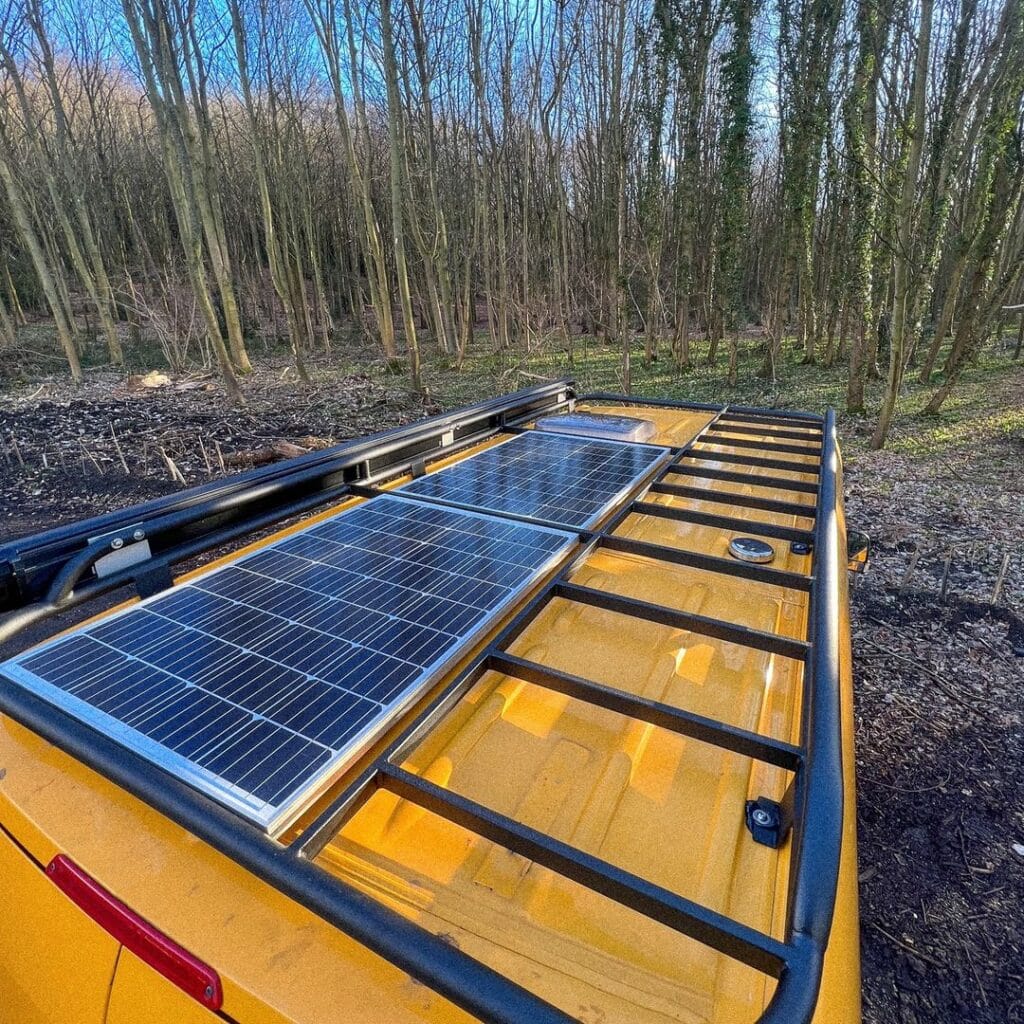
<point x="751" y="183"/>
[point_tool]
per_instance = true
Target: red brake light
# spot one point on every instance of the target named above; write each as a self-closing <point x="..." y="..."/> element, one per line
<point x="149" y="944"/>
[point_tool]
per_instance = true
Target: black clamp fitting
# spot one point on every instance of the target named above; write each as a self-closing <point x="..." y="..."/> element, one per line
<point x="768" y="822"/>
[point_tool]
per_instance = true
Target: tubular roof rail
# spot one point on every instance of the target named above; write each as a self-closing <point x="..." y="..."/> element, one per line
<point x="259" y="497"/>
<point x="197" y="521"/>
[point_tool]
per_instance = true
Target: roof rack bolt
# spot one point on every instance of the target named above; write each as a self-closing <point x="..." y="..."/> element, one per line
<point x="767" y="822"/>
<point x="800" y="547"/>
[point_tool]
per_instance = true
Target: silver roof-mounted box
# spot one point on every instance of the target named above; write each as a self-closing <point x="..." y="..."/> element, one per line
<point x="593" y="424"/>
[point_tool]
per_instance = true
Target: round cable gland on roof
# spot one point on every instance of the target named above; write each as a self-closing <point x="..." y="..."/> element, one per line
<point x="750" y="549"/>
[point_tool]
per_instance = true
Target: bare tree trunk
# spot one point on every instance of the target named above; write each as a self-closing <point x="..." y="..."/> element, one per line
<point x="8" y="333"/>
<point x="151" y="36"/>
<point x="397" y="190"/>
<point x="23" y="220"/>
<point x="904" y="229"/>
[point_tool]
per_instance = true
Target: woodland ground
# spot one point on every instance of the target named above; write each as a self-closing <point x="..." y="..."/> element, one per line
<point x="939" y="668"/>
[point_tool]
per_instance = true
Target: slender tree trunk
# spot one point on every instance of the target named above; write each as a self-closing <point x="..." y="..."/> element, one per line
<point x="47" y="280"/>
<point x="397" y="190"/>
<point x="905" y="230"/>
<point x="8" y="333"/>
<point x="12" y="294"/>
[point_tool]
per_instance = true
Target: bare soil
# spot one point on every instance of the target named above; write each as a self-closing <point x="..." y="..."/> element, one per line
<point x="940" y="742"/>
<point x="69" y="452"/>
<point x="939" y="665"/>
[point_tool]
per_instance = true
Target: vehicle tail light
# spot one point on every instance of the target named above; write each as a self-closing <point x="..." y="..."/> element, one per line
<point x="149" y="944"/>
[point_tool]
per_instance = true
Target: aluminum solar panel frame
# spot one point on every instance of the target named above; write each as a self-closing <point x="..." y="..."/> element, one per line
<point x="564" y="480"/>
<point x="257" y="681"/>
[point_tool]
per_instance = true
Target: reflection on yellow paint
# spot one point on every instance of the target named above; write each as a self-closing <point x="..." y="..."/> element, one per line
<point x="667" y="808"/>
<point x="664" y="807"/>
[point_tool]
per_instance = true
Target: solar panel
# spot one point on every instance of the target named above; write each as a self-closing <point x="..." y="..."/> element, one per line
<point x="556" y="478"/>
<point x="256" y="680"/>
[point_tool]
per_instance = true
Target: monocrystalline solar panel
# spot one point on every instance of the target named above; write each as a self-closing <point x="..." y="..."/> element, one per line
<point x="256" y="680"/>
<point x="556" y="478"/>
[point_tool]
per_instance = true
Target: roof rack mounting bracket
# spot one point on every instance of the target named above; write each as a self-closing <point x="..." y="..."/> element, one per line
<point x="12" y="580"/>
<point x="769" y="821"/>
<point x="153" y="577"/>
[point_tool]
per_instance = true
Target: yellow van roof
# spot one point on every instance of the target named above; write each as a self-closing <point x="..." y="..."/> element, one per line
<point x="570" y="805"/>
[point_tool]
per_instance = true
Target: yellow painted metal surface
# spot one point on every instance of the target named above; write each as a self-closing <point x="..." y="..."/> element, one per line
<point x="662" y="806"/>
<point x="56" y="965"/>
<point x="140" y="995"/>
<point x="278" y="962"/>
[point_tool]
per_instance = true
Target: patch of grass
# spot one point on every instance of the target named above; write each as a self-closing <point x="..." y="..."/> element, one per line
<point x="596" y="365"/>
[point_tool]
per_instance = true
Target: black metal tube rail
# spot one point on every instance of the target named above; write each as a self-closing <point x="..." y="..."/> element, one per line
<point x="818" y="819"/>
<point x="798" y="419"/>
<point x="766" y="446"/>
<point x="709" y="563"/>
<point x="733" y="498"/>
<point x="763" y="431"/>
<point x="772" y="643"/>
<point x="734" y="412"/>
<point x="687" y="515"/>
<point x="778" y="483"/>
<point x="706" y="926"/>
<point x="664" y="716"/>
<point x="753" y="460"/>
<point x="28" y="566"/>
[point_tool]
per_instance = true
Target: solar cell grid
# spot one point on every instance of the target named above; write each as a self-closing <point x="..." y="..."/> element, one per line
<point x="555" y="478"/>
<point x="257" y="679"/>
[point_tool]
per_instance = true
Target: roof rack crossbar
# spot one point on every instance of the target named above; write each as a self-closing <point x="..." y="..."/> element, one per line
<point x="752" y="479"/>
<point x="729" y="427"/>
<point x="653" y="403"/>
<point x="783" y="418"/>
<point x="745" y="526"/>
<point x="764" y="446"/>
<point x="790" y="414"/>
<point x="792" y="508"/>
<point x="753" y="460"/>
<point x="664" y="716"/>
<point x="708" y="563"/>
<point x="733" y="499"/>
<point x="721" y="933"/>
<point x="722" y="411"/>
<point x="772" y="643"/>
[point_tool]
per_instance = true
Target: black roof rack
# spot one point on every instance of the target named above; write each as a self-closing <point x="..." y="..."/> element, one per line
<point x="181" y="525"/>
<point x="47" y="571"/>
